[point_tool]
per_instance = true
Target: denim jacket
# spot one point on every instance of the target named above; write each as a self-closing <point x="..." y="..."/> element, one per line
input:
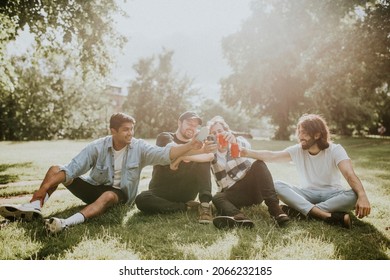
<point x="98" y="158"/>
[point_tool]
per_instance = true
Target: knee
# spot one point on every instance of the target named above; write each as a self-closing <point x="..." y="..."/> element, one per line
<point x="54" y="169"/>
<point x="259" y="164"/>
<point x="141" y="198"/>
<point x="280" y="186"/>
<point x="110" y="198"/>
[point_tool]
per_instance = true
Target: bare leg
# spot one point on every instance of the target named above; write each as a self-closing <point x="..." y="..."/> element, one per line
<point x="318" y="213"/>
<point x="340" y="217"/>
<point x="54" y="176"/>
<point x="105" y="201"/>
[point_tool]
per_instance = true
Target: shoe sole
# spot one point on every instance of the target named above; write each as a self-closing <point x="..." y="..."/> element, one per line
<point x="282" y="221"/>
<point x="51" y="226"/>
<point x="13" y="213"/>
<point x="229" y="222"/>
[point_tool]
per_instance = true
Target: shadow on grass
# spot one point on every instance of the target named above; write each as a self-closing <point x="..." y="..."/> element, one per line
<point x="56" y="246"/>
<point x="173" y="236"/>
<point x="9" y="178"/>
<point x="363" y="242"/>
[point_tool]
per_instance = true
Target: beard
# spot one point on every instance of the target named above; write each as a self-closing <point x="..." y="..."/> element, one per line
<point x="187" y="134"/>
<point x="308" y="144"/>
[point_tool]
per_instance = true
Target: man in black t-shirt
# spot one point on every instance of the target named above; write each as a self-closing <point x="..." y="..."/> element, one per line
<point x="176" y="190"/>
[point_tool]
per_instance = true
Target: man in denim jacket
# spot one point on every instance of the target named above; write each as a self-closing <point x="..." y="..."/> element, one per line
<point x="115" y="163"/>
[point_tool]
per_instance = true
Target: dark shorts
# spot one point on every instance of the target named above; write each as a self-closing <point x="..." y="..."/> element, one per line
<point x="89" y="193"/>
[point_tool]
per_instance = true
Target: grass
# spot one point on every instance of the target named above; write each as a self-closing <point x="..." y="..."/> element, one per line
<point x="125" y="233"/>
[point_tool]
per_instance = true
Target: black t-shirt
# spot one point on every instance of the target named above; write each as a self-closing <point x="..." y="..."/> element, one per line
<point x="183" y="184"/>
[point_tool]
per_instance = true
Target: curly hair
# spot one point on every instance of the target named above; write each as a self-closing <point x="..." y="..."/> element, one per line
<point x="314" y="124"/>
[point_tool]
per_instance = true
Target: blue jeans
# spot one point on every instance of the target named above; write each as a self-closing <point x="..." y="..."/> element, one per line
<point x="304" y="200"/>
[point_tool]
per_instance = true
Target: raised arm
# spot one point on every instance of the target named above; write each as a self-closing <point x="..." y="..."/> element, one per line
<point x="195" y="158"/>
<point x="362" y="207"/>
<point x="267" y="156"/>
<point x="194" y="146"/>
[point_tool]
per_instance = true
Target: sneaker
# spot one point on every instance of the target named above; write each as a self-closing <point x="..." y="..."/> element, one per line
<point x="23" y="212"/>
<point x="282" y="220"/>
<point x="340" y="218"/>
<point x="205" y="213"/>
<point x="291" y="212"/>
<point x="54" y="225"/>
<point x="192" y="205"/>
<point x="238" y="220"/>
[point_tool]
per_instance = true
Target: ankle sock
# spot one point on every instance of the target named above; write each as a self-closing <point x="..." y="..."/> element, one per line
<point x="75" y="219"/>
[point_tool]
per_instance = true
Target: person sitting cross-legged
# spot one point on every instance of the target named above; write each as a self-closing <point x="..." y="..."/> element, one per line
<point x="319" y="163"/>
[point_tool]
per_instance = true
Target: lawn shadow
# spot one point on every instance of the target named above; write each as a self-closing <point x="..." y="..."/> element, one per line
<point x="362" y="242"/>
<point x="9" y="178"/>
<point x="166" y="236"/>
<point x="57" y="245"/>
<point x="180" y="236"/>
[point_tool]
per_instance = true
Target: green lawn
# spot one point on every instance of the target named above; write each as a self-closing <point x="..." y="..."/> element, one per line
<point x="125" y="233"/>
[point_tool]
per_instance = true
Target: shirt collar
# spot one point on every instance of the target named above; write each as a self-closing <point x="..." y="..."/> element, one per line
<point x="111" y="146"/>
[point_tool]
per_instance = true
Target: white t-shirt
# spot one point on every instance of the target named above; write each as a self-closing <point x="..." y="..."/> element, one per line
<point x="118" y="160"/>
<point x="319" y="171"/>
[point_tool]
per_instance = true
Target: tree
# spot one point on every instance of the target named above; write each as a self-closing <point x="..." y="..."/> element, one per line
<point x="348" y="84"/>
<point x="50" y="100"/>
<point x="71" y="54"/>
<point x="264" y="55"/>
<point x="85" y="27"/>
<point x="301" y="56"/>
<point x="158" y="95"/>
<point x="211" y="108"/>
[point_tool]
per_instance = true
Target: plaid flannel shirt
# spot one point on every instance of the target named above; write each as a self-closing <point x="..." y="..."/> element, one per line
<point x="227" y="170"/>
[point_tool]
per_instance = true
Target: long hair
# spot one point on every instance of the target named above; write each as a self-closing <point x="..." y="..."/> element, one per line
<point x="314" y="124"/>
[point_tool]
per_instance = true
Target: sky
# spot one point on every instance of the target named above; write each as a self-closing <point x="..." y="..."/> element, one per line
<point x="193" y="29"/>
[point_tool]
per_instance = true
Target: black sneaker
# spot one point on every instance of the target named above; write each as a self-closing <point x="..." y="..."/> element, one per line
<point x="238" y="220"/>
<point x="282" y="220"/>
<point x="291" y="212"/>
<point x="340" y="218"/>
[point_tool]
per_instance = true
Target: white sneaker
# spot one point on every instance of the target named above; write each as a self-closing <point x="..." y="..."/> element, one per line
<point x="55" y="225"/>
<point x="25" y="212"/>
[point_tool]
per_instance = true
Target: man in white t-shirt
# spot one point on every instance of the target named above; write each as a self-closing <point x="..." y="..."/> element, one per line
<point x="319" y="163"/>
